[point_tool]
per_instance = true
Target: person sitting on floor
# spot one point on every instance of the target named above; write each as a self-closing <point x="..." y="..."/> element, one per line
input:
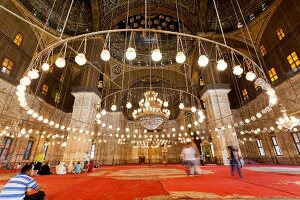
<point x="39" y="159"/>
<point x="70" y="168"/>
<point x="45" y="169"/>
<point x="60" y="168"/>
<point x="90" y="168"/>
<point x="16" y="188"/>
<point x="78" y="168"/>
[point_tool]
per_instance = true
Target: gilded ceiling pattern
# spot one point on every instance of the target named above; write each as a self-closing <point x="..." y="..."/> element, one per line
<point x="80" y="20"/>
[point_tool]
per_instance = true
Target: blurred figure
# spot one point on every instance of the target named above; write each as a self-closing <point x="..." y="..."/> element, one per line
<point x="90" y="168"/>
<point x="45" y="169"/>
<point x="201" y="160"/>
<point x="60" y="168"/>
<point x="71" y="168"/>
<point x="87" y="159"/>
<point x="78" y="168"/>
<point x="19" y="166"/>
<point x="234" y="160"/>
<point x="17" y="186"/>
<point x="182" y="159"/>
<point x="188" y="153"/>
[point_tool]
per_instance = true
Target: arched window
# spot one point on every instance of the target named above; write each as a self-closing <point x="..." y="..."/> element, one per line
<point x="280" y="33"/>
<point x="293" y="60"/>
<point x="245" y="94"/>
<point x="262" y="50"/>
<point x="273" y="74"/>
<point x="18" y="39"/>
<point x="7" y="66"/>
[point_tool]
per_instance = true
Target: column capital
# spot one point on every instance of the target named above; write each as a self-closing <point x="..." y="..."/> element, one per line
<point x="86" y="90"/>
<point x="216" y="87"/>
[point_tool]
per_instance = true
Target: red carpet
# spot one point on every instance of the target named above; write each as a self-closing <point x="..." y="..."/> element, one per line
<point x="125" y="182"/>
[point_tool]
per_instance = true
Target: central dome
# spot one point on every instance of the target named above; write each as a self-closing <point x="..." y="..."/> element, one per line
<point x="143" y="42"/>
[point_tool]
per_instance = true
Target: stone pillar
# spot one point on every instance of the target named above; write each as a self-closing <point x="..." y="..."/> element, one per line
<point x="218" y="115"/>
<point x="83" y="117"/>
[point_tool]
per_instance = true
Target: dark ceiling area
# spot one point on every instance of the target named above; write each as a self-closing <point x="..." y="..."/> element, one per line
<point x="85" y="15"/>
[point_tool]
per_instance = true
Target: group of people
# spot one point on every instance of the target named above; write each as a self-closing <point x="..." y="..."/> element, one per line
<point x="189" y="160"/>
<point x="61" y="168"/>
<point x="44" y="169"/>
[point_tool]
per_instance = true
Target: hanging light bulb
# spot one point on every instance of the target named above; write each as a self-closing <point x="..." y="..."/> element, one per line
<point x="128" y="105"/>
<point x="35" y="115"/>
<point x="258" y="115"/>
<point x="80" y="59"/>
<point x="113" y="107"/>
<point x="221" y="65"/>
<point x="33" y="74"/>
<point x="271" y="92"/>
<point x="166" y="104"/>
<point x="21" y="88"/>
<point x="98" y="115"/>
<point x="180" y="57"/>
<point x="60" y="62"/>
<point x="260" y="81"/>
<point x="181" y="106"/>
<point x="25" y="81"/>
<point x="238" y="70"/>
<point x="147" y="104"/>
<point x="130" y="53"/>
<point x="103" y="112"/>
<point x="203" y="61"/>
<point x="193" y="109"/>
<point x="45" y="67"/>
<point x="156" y="55"/>
<point x="105" y="55"/>
<point x="273" y="99"/>
<point x="250" y="76"/>
<point x="30" y="112"/>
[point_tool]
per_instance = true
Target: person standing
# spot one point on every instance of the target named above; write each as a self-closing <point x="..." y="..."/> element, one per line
<point x="16" y="188"/>
<point x="234" y="161"/>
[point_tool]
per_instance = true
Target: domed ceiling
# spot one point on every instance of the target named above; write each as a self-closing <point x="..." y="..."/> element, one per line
<point x="197" y="15"/>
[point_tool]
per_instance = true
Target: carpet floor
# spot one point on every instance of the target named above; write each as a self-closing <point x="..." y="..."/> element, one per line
<point x="159" y="182"/>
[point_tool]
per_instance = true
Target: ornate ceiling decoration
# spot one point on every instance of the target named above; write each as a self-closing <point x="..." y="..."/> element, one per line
<point x="82" y="13"/>
<point x="80" y="20"/>
<point x="143" y="40"/>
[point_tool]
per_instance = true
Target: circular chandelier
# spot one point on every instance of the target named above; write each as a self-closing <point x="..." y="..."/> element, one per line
<point x="152" y="111"/>
<point x="253" y="72"/>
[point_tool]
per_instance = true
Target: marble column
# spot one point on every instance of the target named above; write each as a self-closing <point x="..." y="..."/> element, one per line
<point x="219" y="115"/>
<point x="83" y="117"/>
